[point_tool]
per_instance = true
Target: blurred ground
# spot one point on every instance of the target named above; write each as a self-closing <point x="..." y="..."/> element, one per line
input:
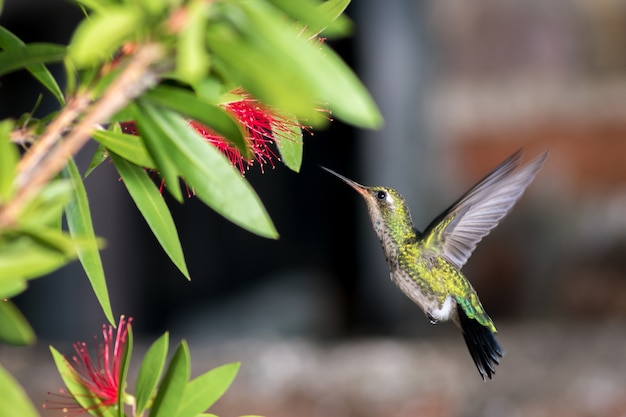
<point x="558" y="370"/>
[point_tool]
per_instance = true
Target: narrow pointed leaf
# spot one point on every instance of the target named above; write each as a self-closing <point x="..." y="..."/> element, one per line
<point x="173" y="385"/>
<point x="150" y="372"/>
<point x="80" y="226"/>
<point x="14" y="327"/>
<point x="278" y="82"/>
<point x="39" y="71"/>
<point x="14" y="402"/>
<point x="29" y="55"/>
<point x="154" y="210"/>
<point x="128" y="351"/>
<point x="47" y="206"/>
<point x="85" y="398"/>
<point x="202" y="392"/>
<point x="155" y="134"/>
<point x="215" y="181"/>
<point x="99" y="156"/>
<point x="333" y="80"/>
<point x="100" y="35"/>
<point x="129" y="147"/>
<point x="187" y="104"/>
<point x="192" y="60"/>
<point x="334" y="8"/>
<point x="290" y="146"/>
<point x="315" y="17"/>
<point x="12" y="286"/>
<point x="9" y="157"/>
<point x="27" y="258"/>
<point x="347" y="96"/>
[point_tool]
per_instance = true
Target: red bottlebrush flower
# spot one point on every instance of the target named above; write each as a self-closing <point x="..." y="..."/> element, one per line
<point x="100" y="375"/>
<point x="262" y="125"/>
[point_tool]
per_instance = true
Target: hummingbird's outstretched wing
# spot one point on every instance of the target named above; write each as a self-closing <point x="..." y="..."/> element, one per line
<point x="457" y="231"/>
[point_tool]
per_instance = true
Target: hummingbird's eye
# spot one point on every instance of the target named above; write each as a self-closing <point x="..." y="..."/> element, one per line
<point x="381" y="195"/>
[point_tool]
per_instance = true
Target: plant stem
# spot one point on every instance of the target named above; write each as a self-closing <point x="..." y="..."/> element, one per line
<point x="52" y="151"/>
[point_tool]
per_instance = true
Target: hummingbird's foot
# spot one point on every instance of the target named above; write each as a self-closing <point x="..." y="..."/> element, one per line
<point x="431" y="319"/>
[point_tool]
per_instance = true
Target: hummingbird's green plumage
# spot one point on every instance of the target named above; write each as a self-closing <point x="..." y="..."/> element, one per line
<point x="427" y="266"/>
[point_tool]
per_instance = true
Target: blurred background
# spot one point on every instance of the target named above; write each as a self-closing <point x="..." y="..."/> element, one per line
<point x="318" y="326"/>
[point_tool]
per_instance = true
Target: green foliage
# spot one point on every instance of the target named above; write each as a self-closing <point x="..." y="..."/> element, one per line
<point x="125" y="364"/>
<point x="203" y="391"/>
<point x="180" y="151"/>
<point x="129" y="147"/>
<point x="9" y="157"/>
<point x="159" y="63"/>
<point x="150" y="372"/>
<point x="14" y="328"/>
<point x="173" y="395"/>
<point x="154" y="210"/>
<point x="14" y="402"/>
<point x="9" y="41"/>
<point x="202" y="111"/>
<point x="290" y="147"/>
<point x="80" y="227"/>
<point x="98" y="37"/>
<point x="173" y="384"/>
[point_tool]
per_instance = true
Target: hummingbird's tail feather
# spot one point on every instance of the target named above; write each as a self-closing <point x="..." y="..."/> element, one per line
<point x="482" y="345"/>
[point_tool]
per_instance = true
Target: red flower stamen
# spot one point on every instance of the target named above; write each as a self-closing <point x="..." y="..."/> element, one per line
<point x="263" y="127"/>
<point x="100" y="377"/>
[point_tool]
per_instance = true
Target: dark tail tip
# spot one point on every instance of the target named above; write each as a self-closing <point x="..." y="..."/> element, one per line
<point x="482" y="345"/>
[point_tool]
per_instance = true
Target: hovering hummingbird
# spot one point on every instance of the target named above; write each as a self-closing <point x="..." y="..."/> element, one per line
<point x="426" y="266"/>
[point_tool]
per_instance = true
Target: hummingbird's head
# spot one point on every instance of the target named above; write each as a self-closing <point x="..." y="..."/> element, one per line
<point x="387" y="209"/>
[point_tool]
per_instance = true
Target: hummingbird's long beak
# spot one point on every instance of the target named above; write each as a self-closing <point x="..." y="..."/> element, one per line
<point x="361" y="189"/>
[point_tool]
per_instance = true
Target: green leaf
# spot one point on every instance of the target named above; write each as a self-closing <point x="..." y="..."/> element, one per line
<point x="9" y="156"/>
<point x="202" y="392"/>
<point x="99" y="156"/>
<point x="29" y="55"/>
<point x="275" y="79"/>
<point x="27" y="258"/>
<point x="289" y="145"/>
<point x="129" y="147"/>
<point x="155" y="133"/>
<point x="334" y="8"/>
<point x="47" y="206"/>
<point x="150" y="372"/>
<point x="80" y="226"/>
<point x="86" y="399"/>
<point x="125" y="364"/>
<point x="14" y="402"/>
<point x="11" y="286"/>
<point x="192" y="60"/>
<point x="172" y="387"/>
<point x="215" y="181"/>
<point x="54" y="238"/>
<point x="341" y="24"/>
<point x="333" y="81"/>
<point x="102" y="33"/>
<point x="39" y="71"/>
<point x="154" y="210"/>
<point x="212" y="116"/>
<point x="14" y="327"/>
<point x="316" y="15"/>
<point x="348" y="99"/>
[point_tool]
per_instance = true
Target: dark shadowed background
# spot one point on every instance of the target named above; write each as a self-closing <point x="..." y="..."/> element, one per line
<point x="313" y="317"/>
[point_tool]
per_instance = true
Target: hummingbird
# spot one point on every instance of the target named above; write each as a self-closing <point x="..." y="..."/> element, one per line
<point x="426" y="266"/>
